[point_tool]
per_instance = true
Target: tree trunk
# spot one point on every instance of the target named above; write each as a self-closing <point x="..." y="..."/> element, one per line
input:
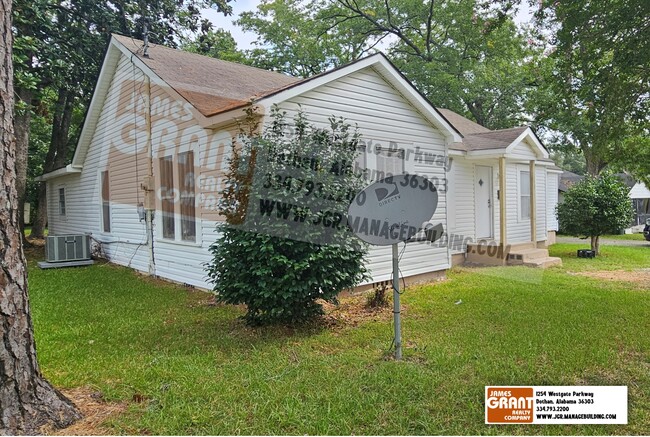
<point x="595" y="164"/>
<point x="22" y="120"/>
<point x="27" y="401"/>
<point x="56" y="154"/>
<point x="40" y="218"/>
<point x="595" y="244"/>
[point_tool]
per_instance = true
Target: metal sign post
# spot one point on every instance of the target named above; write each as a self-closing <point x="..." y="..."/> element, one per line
<point x="396" y="305"/>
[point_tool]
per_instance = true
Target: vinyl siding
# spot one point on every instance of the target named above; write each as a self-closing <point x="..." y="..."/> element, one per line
<point x="383" y="115"/>
<point x="125" y="156"/>
<point x="518" y="230"/>
<point x="540" y="200"/>
<point x="363" y="98"/>
<point x="551" y="200"/>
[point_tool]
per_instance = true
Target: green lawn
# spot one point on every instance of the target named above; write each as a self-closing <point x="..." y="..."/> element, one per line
<point x="610" y="258"/>
<point x="200" y="371"/>
<point x="638" y="237"/>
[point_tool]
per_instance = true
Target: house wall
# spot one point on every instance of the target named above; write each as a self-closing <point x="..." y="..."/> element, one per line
<point x="119" y="145"/>
<point x="541" y="187"/>
<point x="461" y="199"/>
<point x="383" y="115"/>
<point x="517" y="229"/>
<point x="552" y="181"/>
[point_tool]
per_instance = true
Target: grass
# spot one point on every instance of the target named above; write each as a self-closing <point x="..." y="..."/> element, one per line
<point x="187" y="367"/>
<point x="634" y="237"/>
<point x="610" y="258"/>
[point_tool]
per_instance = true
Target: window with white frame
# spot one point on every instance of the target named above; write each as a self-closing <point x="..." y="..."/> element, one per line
<point x="177" y="195"/>
<point x="524" y="195"/>
<point x="106" y="205"/>
<point x="62" y="201"/>
<point x="390" y="161"/>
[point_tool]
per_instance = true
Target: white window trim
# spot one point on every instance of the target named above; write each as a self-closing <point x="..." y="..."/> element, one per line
<point x="63" y="187"/>
<point x="370" y="156"/>
<point x="520" y="212"/>
<point x="198" y="237"/>
<point x="101" y="203"/>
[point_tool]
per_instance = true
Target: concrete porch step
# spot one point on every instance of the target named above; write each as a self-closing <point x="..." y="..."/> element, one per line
<point x="521" y="256"/>
<point x="543" y="263"/>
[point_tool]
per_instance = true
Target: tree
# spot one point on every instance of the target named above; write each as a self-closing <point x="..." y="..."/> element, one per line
<point x="298" y="38"/>
<point x="595" y="206"/>
<point x="27" y="400"/>
<point x="218" y="44"/>
<point x="62" y="47"/>
<point x="596" y="87"/>
<point x="295" y="260"/>
<point x="634" y="157"/>
<point x="463" y="55"/>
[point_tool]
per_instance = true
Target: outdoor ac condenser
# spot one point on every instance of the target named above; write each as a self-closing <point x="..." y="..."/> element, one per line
<point x="59" y="248"/>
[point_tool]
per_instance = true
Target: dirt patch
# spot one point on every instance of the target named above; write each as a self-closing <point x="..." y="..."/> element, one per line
<point x="641" y="277"/>
<point x="352" y="311"/>
<point x="95" y="410"/>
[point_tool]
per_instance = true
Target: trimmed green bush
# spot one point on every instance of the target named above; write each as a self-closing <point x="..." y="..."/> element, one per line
<point x="280" y="271"/>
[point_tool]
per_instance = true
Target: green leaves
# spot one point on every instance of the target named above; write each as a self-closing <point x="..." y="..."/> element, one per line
<point x="287" y="268"/>
<point x="595" y="206"/>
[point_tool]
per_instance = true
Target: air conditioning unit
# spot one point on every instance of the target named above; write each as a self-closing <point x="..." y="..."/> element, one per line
<point x="60" y="248"/>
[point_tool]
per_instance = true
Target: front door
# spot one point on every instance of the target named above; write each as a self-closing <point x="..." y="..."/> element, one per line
<point x="483" y="201"/>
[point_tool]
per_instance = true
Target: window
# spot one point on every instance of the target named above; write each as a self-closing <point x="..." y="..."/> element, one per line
<point x="524" y="194"/>
<point x="177" y="188"/>
<point x="186" y="185"/>
<point x="62" y="201"/>
<point x="390" y="161"/>
<point x="106" y="205"/>
<point x="167" y="197"/>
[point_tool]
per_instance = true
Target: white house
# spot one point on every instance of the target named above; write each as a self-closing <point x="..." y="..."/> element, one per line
<point x="165" y="121"/>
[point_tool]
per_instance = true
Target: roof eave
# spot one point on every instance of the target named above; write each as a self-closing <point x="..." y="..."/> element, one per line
<point x="68" y="169"/>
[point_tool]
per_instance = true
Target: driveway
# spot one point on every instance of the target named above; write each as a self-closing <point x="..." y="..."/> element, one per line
<point x="604" y="241"/>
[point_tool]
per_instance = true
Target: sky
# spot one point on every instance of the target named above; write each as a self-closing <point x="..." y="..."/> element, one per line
<point x="245" y="39"/>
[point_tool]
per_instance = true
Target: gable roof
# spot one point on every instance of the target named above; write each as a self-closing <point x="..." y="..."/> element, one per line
<point x="497" y="139"/>
<point x="210" y="85"/>
<point x="477" y="138"/>
<point x="640" y="191"/>
<point x="463" y="125"/>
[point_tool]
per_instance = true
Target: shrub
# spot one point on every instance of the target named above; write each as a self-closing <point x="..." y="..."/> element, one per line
<point x="595" y="206"/>
<point x="280" y="268"/>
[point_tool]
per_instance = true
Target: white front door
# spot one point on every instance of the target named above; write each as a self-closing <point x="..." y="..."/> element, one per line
<point x="483" y="201"/>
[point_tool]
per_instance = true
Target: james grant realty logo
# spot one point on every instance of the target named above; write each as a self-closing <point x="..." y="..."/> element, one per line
<point x="509" y="404"/>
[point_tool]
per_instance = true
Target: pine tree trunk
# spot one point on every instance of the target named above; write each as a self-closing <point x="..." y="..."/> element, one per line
<point x="22" y="121"/>
<point x="27" y="401"/>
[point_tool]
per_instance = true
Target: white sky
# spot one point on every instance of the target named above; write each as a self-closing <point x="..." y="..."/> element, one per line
<point x="245" y="39"/>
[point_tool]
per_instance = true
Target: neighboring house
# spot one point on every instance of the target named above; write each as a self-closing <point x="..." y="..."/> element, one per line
<point x="159" y="130"/>
<point x="640" y="195"/>
<point x="567" y="179"/>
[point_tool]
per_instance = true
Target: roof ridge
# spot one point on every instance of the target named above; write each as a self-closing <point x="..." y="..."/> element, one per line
<point x="157" y="46"/>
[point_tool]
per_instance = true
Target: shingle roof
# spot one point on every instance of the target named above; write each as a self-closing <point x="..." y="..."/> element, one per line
<point x="497" y="139"/>
<point x="567" y="179"/>
<point x="210" y="85"/>
<point x="463" y="125"/>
